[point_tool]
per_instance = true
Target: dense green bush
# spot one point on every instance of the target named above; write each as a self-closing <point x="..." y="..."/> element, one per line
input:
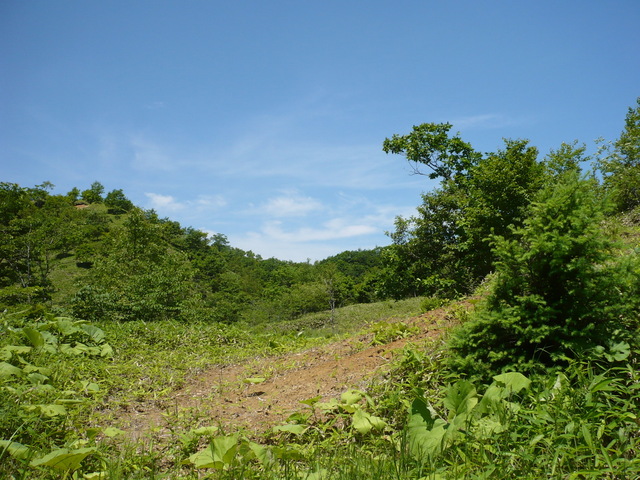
<point x="620" y="163"/>
<point x="561" y="288"/>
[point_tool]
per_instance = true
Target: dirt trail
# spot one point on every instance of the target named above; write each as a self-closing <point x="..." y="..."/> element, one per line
<point x="224" y="397"/>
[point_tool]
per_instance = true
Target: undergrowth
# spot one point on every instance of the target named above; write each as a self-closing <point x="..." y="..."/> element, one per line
<point x="415" y="422"/>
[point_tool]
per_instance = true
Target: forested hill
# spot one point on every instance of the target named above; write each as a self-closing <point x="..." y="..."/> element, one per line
<point x="109" y="311"/>
<point x="99" y="256"/>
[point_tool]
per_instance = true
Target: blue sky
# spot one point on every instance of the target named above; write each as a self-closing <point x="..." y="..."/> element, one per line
<point x="264" y="121"/>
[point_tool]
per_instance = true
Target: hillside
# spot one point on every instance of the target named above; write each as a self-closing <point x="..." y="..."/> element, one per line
<point x="259" y="393"/>
<point x="498" y="336"/>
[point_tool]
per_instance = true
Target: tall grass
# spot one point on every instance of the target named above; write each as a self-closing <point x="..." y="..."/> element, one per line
<point x="581" y="423"/>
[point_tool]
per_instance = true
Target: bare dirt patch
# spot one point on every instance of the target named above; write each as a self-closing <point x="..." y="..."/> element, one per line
<point x="258" y="394"/>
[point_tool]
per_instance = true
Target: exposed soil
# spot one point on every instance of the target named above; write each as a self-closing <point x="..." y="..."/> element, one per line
<point x="258" y="394"/>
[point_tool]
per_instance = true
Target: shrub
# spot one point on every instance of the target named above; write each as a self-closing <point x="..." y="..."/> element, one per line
<point x="560" y="288"/>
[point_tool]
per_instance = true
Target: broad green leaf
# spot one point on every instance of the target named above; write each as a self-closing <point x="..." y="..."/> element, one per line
<point x="513" y="381"/>
<point x="600" y="383"/>
<point x="488" y="426"/>
<point x="329" y="406"/>
<point x="106" y="350"/>
<point x="289" y="452"/>
<point x="49" y="338"/>
<point x="96" y="476"/>
<point x="205" y="459"/>
<point x="96" y="334"/>
<point x="89" y="387"/>
<point x="43" y="388"/>
<point x="34" y="336"/>
<point x="263" y="454"/>
<point x="15" y="449"/>
<point x="37" y="378"/>
<point x="67" y="349"/>
<point x="535" y="440"/>
<point x="425" y="431"/>
<point x="351" y="397"/>
<point x="112" y="432"/>
<point x="7" y="370"/>
<point x="225" y="447"/>
<point x="421" y="408"/>
<point x="48" y="410"/>
<point x="364" y="422"/>
<point x="311" y="401"/>
<point x="66" y="326"/>
<point x="491" y="399"/>
<point x="586" y="434"/>
<point x="461" y="398"/>
<point x="425" y="443"/>
<point x="69" y="401"/>
<point x="205" y="430"/>
<point x="254" y="380"/>
<point x="7" y="352"/>
<point x="321" y="474"/>
<point x="33" y="368"/>
<point x="92" y="350"/>
<point x="64" y="459"/>
<point x="295" y="429"/>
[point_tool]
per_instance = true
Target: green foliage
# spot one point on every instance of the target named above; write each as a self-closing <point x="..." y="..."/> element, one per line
<point x="36" y="227"/>
<point x="576" y="424"/>
<point x="429" y="144"/>
<point x="40" y="395"/>
<point x="443" y="250"/>
<point x="138" y="276"/>
<point x="118" y="202"/>
<point x="93" y="194"/>
<point x="560" y="288"/>
<point x="620" y="163"/>
<point x="563" y="294"/>
<point x="384" y="332"/>
<point x="499" y="190"/>
<point x="431" y="303"/>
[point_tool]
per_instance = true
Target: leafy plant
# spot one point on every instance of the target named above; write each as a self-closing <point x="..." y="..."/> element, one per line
<point x="39" y="398"/>
<point x="384" y="332"/>
<point x="560" y="289"/>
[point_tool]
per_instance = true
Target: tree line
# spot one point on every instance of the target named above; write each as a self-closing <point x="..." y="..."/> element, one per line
<point x="99" y="256"/>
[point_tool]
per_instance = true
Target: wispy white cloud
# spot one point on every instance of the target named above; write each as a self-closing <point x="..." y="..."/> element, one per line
<point x="169" y="204"/>
<point x="333" y="229"/>
<point x="209" y="201"/>
<point x="278" y="239"/>
<point x="164" y="203"/>
<point x="488" y="121"/>
<point x="291" y="204"/>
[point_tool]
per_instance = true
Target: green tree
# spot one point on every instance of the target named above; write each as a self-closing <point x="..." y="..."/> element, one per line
<point x="429" y="144"/>
<point x="117" y="202"/>
<point x="620" y="163"/>
<point x="137" y="276"/>
<point x="426" y="255"/>
<point x="560" y="288"/>
<point x="73" y="195"/>
<point x="498" y="193"/>
<point x="35" y="226"/>
<point x="569" y="156"/>
<point x="93" y="194"/>
<point x="443" y="250"/>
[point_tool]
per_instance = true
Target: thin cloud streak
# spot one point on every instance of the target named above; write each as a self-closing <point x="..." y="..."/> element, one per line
<point x="168" y="203"/>
<point x="489" y="121"/>
<point x="291" y="205"/>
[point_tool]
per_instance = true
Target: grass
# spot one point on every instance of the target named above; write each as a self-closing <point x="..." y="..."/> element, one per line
<point x="155" y="357"/>
<point x="580" y="424"/>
